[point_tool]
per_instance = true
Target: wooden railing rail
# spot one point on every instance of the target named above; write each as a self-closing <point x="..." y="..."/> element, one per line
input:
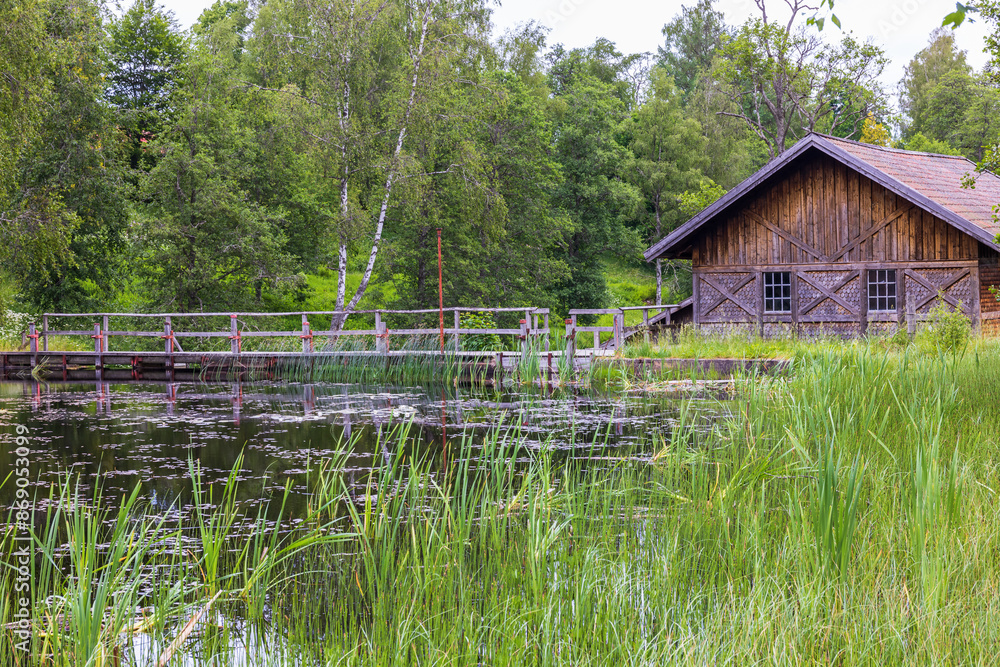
<point x="464" y="309"/>
<point x="533" y="326"/>
<point x="617" y="328"/>
<point x="617" y="320"/>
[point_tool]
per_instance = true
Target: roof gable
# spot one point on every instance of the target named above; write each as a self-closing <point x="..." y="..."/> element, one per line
<point x="932" y="182"/>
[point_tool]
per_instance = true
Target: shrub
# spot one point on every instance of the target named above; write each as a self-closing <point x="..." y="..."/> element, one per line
<point x="480" y="342"/>
<point x="948" y="330"/>
<point x="12" y="325"/>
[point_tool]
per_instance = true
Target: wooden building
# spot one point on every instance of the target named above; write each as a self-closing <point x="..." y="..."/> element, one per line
<point x="840" y="237"/>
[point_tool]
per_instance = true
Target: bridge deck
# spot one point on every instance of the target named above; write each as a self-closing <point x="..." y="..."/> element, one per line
<point x="125" y="365"/>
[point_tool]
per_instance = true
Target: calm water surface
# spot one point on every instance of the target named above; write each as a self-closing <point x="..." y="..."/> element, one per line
<point x="128" y="434"/>
<point x="149" y="434"/>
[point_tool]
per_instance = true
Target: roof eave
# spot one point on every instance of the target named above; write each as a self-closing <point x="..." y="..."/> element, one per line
<point x="664" y="246"/>
<point x="659" y="249"/>
<point x="905" y="191"/>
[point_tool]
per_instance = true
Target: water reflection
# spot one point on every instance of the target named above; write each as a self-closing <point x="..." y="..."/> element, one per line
<point x="132" y="433"/>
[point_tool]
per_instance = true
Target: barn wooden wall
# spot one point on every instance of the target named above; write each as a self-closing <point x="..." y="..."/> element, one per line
<point x="820" y="211"/>
<point x="828" y="225"/>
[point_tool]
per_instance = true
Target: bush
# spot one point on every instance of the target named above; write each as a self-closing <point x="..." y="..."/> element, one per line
<point x="480" y="342"/>
<point x="12" y="325"/>
<point x="948" y="330"/>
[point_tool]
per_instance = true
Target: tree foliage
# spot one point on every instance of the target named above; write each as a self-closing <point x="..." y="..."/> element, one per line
<point x="218" y="167"/>
<point x="874" y="132"/>
<point x="595" y="192"/>
<point x="923" y="74"/>
<point x="65" y="223"/>
<point x="207" y="242"/>
<point x="22" y="86"/>
<point x="785" y="81"/>
<point x="691" y="42"/>
<point x="668" y="157"/>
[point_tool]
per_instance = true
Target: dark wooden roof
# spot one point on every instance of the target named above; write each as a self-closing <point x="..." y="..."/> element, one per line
<point x="932" y="182"/>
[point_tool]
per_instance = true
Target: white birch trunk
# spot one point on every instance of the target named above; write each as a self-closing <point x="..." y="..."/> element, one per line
<point x="659" y="266"/>
<point x="344" y="120"/>
<point x="659" y="283"/>
<point x="345" y="116"/>
<point x="393" y="165"/>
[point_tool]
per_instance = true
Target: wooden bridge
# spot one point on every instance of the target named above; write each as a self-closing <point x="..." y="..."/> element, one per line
<point x="133" y="346"/>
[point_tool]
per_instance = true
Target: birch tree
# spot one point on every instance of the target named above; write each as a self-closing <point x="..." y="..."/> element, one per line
<point x="370" y="65"/>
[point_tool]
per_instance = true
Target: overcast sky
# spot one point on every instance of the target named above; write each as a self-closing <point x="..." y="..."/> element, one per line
<point x="901" y="27"/>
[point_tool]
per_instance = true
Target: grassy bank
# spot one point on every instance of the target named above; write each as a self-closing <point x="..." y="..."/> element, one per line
<point x="844" y="514"/>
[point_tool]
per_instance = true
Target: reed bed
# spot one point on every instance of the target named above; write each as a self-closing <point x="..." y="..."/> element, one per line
<point x="844" y="514"/>
<point x="415" y="360"/>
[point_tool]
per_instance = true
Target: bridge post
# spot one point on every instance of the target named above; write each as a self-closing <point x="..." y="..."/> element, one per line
<point x="45" y="333"/>
<point x="645" y="325"/>
<point x="523" y="325"/>
<point x="33" y="343"/>
<point x="307" y="345"/>
<point x="547" y="332"/>
<point x="234" y="335"/>
<point x="381" y="335"/>
<point x="168" y="344"/>
<point x="106" y="328"/>
<point x="458" y="325"/>
<point x="571" y="338"/>
<point x="98" y="347"/>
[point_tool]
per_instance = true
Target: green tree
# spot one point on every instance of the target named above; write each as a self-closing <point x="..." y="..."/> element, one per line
<point x="623" y="75"/>
<point x="733" y="150"/>
<point x="918" y="142"/>
<point x="925" y="72"/>
<point x="785" y="81"/>
<point x="145" y="51"/>
<point x="961" y="110"/>
<point x="669" y="154"/>
<point x="66" y="221"/>
<point x="206" y="243"/>
<point x="233" y="16"/>
<point x="874" y="132"/>
<point x="691" y="42"/>
<point x="595" y="192"/>
<point x="22" y="85"/>
<point x="365" y="69"/>
<point x="486" y="179"/>
<point x="693" y="202"/>
<point x="983" y="110"/>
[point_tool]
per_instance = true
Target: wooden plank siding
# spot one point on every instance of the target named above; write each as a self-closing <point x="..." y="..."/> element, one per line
<point x="828" y="225"/>
<point x="827" y="221"/>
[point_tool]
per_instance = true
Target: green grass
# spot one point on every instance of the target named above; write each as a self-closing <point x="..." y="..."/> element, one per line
<point x="844" y="514"/>
<point x="629" y="284"/>
<point x="322" y="291"/>
<point x="61" y="343"/>
<point x="689" y="343"/>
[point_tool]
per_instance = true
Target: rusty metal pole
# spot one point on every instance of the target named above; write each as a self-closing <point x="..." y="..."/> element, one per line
<point x="440" y="292"/>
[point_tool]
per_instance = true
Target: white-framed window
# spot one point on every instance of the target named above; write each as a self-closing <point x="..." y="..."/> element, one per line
<point x="777" y="292"/>
<point x="881" y="290"/>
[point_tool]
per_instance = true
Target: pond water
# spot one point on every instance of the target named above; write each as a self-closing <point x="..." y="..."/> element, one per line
<point x="123" y="435"/>
<point x="148" y="434"/>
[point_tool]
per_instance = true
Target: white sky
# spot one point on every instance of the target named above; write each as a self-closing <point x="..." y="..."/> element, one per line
<point x="901" y="27"/>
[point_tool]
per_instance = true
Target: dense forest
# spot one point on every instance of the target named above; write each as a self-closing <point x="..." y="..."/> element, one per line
<point x="302" y="152"/>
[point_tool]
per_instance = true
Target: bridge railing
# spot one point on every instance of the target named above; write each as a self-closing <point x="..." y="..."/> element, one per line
<point x="533" y="326"/>
<point x="618" y="329"/>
